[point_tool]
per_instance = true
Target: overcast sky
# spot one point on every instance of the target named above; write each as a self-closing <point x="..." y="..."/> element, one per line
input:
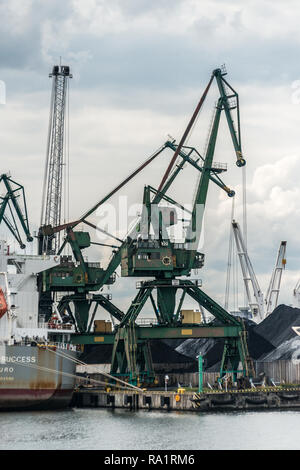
<point x="139" y="68"/>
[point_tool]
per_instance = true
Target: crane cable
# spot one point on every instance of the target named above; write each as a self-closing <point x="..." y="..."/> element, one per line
<point x="81" y="363"/>
<point x="232" y="260"/>
<point x="244" y="188"/>
<point x="67" y="374"/>
<point x="230" y="257"/>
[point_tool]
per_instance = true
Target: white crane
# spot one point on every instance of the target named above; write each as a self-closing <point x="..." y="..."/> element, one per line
<point x="274" y="286"/>
<point x="297" y="293"/>
<point x="255" y="297"/>
<point x="260" y="307"/>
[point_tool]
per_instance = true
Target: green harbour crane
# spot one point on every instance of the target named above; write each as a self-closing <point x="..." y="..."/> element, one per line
<point x="166" y="261"/>
<point x="149" y="252"/>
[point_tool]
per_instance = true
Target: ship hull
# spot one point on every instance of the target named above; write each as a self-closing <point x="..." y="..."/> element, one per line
<point x="35" y="378"/>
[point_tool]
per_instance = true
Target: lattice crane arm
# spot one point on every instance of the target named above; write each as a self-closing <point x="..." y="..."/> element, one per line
<point x="229" y="102"/>
<point x="194" y="229"/>
<point x="51" y="213"/>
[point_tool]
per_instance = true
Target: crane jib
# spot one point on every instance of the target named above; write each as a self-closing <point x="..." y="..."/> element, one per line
<point x="186" y="132"/>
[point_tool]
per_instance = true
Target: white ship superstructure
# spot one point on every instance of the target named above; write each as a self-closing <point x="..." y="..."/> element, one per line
<point x="35" y="371"/>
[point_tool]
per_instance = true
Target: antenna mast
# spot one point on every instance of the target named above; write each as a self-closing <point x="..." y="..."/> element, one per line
<point x="55" y="160"/>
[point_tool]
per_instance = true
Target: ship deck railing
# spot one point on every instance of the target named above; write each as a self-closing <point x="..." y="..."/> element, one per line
<point x="146" y="321"/>
<point x="66" y="346"/>
<point x="39" y="342"/>
<point x="60" y="327"/>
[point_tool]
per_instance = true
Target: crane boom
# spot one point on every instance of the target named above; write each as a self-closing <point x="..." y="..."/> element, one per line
<point x="274" y="286"/>
<point x="256" y="304"/>
<point x="185" y="134"/>
<point x="224" y="103"/>
<point x="296" y="293"/>
<point x="259" y="306"/>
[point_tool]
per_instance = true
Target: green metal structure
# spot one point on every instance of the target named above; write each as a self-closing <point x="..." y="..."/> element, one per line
<point x="77" y="278"/>
<point x="200" y="372"/>
<point x="165" y="261"/>
<point x="148" y="252"/>
<point x="13" y="209"/>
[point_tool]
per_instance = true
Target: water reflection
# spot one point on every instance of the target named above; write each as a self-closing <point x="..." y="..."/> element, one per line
<point x="90" y="429"/>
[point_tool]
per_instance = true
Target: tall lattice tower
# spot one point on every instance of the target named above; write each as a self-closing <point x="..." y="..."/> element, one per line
<point x="55" y="159"/>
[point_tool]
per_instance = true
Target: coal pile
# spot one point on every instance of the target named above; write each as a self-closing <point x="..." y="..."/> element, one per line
<point x="162" y="354"/>
<point x="287" y="350"/>
<point x="272" y="339"/>
<point x="96" y="354"/>
<point x="212" y="349"/>
<point x="277" y="327"/>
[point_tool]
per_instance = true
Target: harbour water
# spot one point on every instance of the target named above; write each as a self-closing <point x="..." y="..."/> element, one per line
<point x="101" y="429"/>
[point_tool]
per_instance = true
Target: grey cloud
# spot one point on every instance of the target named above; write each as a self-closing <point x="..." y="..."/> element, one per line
<point x="21" y="42"/>
<point x="142" y="60"/>
<point x="142" y="7"/>
<point x="139" y="70"/>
